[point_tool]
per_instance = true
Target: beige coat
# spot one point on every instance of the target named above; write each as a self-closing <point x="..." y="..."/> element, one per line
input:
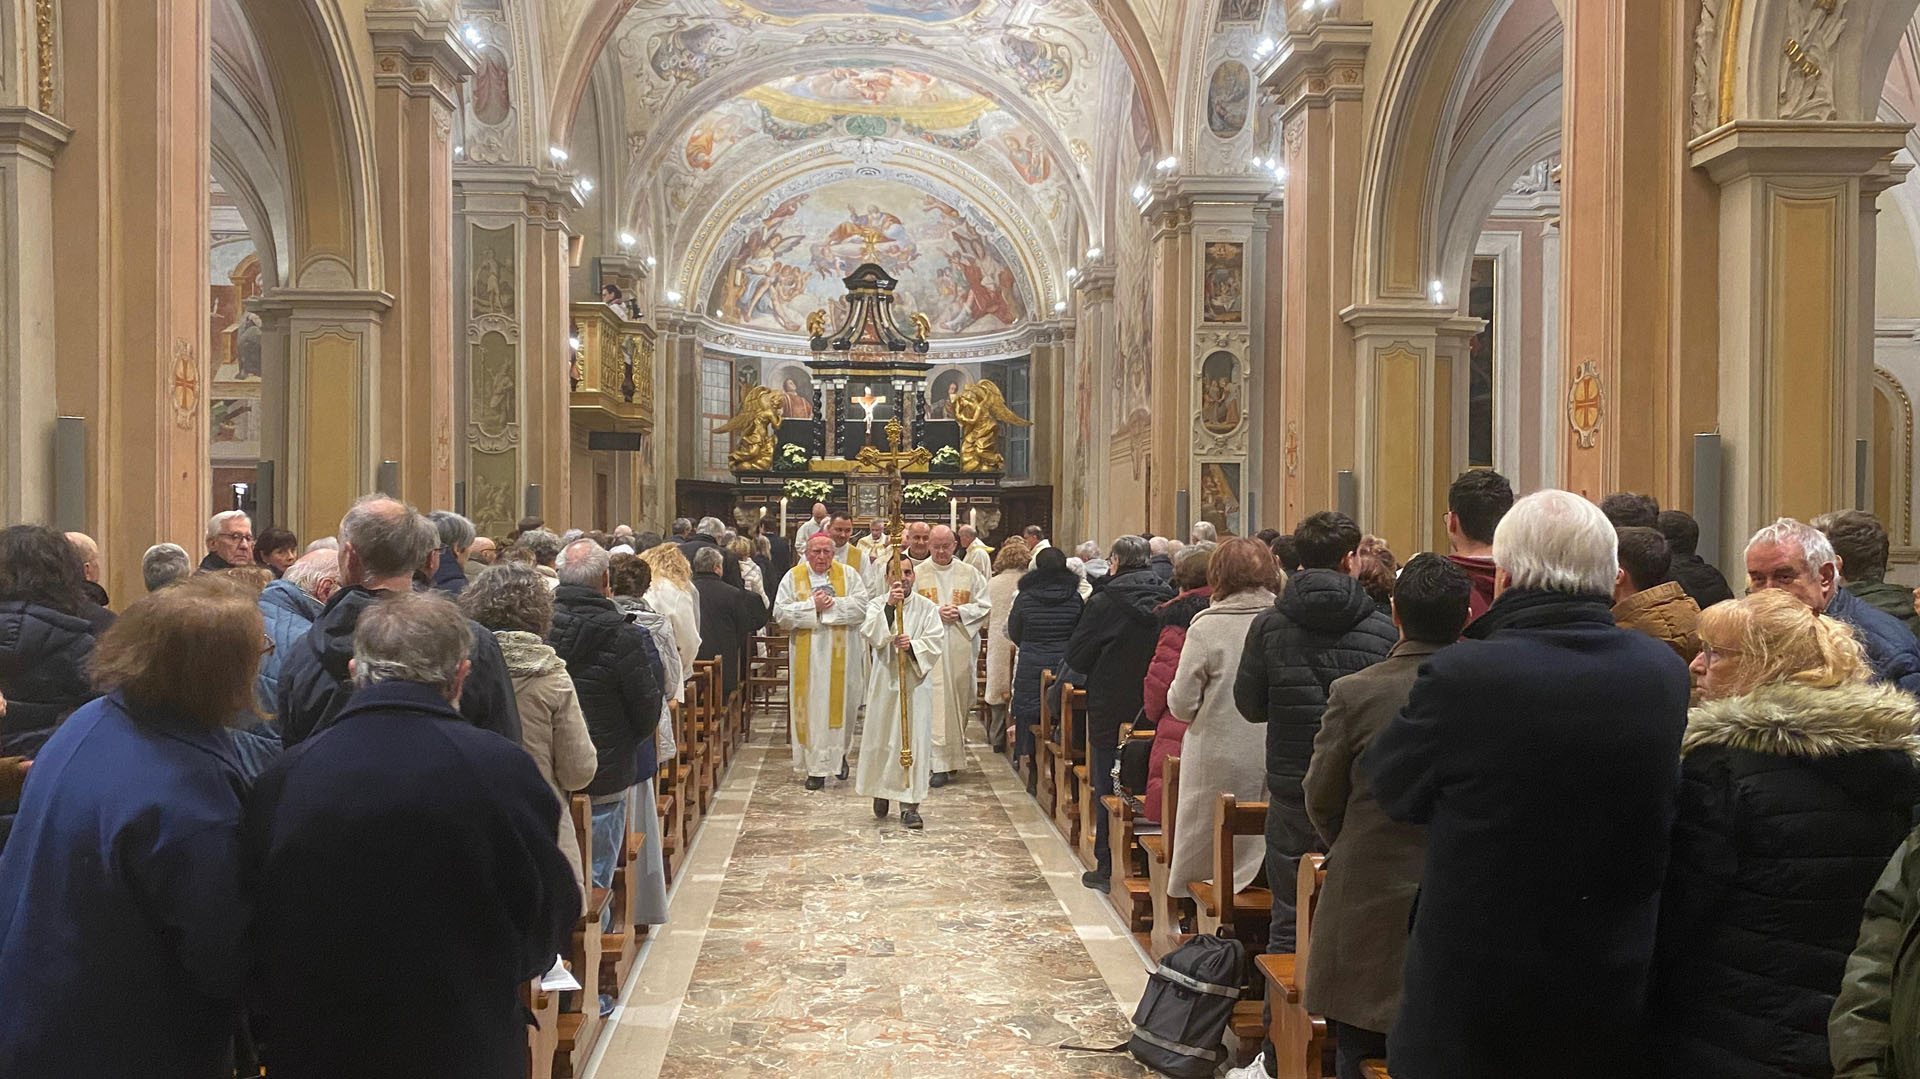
<point x="552" y="729"/>
<point x="1666" y="613"/>
<point x="1221" y="753"/>
<point x="1000" y="592"/>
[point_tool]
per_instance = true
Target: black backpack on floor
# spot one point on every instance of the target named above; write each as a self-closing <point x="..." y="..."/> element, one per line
<point x="1180" y="1028"/>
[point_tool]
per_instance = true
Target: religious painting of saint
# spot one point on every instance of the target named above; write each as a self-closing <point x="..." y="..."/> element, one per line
<point x="1228" y="94"/>
<point x="1222" y="297"/>
<point x="1220" y="393"/>
<point x="1482" y="296"/>
<point x="495" y="387"/>
<point x="945" y="388"/>
<point x="920" y="11"/>
<point x="1220" y="495"/>
<point x="492" y="286"/>
<point x="795" y="384"/>
<point x="1028" y="157"/>
<point x="1041" y="66"/>
<point x="492" y="87"/>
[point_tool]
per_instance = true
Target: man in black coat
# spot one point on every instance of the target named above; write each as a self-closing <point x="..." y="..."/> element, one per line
<point x="706" y="537"/>
<point x="1695" y="574"/>
<point x="616" y="675"/>
<point x="1542" y="754"/>
<point x="407" y="879"/>
<point x="1113" y="643"/>
<point x="729" y="616"/>
<point x="382" y="542"/>
<point x="1324" y="626"/>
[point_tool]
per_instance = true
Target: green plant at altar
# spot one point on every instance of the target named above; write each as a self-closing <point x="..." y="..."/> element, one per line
<point x="793" y="457"/>
<point x="922" y="493"/>
<point x="948" y="457"/>
<point x="807" y="490"/>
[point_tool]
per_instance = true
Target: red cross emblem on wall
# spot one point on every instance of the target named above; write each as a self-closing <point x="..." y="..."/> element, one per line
<point x="1586" y="404"/>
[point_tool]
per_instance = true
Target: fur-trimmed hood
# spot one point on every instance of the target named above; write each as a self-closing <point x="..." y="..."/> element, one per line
<point x="1791" y="720"/>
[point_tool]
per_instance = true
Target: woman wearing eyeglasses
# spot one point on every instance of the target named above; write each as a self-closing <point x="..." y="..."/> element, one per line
<point x="1798" y="780"/>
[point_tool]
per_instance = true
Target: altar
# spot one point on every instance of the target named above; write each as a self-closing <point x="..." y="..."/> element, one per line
<point x="869" y="381"/>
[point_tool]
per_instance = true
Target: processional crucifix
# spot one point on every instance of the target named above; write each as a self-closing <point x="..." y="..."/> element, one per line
<point x="891" y="463"/>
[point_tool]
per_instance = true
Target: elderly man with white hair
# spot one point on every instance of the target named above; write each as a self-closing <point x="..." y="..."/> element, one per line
<point x="708" y="535"/>
<point x="229" y="541"/>
<point x="1798" y="559"/>
<point x="1204" y="532"/>
<point x="1543" y="758"/>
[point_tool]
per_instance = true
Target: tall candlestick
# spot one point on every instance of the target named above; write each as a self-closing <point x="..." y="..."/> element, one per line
<point x="783" y="516"/>
<point x="953" y="514"/>
<point x="973" y="520"/>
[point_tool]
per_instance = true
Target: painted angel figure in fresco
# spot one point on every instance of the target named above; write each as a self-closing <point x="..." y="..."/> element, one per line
<point x="754" y="428"/>
<point x="980" y="410"/>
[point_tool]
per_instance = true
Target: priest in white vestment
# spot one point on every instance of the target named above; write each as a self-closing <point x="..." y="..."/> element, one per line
<point x="961" y="593"/>
<point x="855" y="555"/>
<point x="822" y="603"/>
<point x="907" y="635"/>
<point x="874" y="544"/>
<point x="977" y="554"/>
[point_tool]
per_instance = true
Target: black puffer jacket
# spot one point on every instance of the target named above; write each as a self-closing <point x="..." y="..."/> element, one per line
<point x="614" y="675"/>
<point x="1324" y="626"/>
<point x="44" y="655"/>
<point x="314" y="684"/>
<point x="1700" y="579"/>
<point x="1045" y="610"/>
<point x="1114" y="644"/>
<point x="1791" y="800"/>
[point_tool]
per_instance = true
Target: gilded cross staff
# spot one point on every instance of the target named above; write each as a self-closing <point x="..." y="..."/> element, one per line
<point x="892" y="461"/>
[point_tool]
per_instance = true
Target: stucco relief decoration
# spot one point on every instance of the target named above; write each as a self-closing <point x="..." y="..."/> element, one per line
<point x="43" y="30"/>
<point x="1806" y="67"/>
<point x="1586" y="403"/>
<point x="1706" y="50"/>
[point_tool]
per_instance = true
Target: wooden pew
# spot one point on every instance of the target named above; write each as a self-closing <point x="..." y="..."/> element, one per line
<point x="668" y="805"/>
<point x="1374" y="1069"/>
<point x="578" y="1026"/>
<point x="1067" y="749"/>
<point x="543" y="1034"/>
<point x="1040" y="774"/>
<point x="1299" y="1038"/>
<point x="1214" y="899"/>
<point x="766" y="679"/>
<point x="1128" y="888"/>
<point x="618" y="948"/>
<point x="1090" y="805"/>
<point x="1166" y="932"/>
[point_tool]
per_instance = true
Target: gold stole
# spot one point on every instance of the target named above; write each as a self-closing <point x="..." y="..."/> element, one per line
<point x="856" y="556"/>
<point x="803" y="668"/>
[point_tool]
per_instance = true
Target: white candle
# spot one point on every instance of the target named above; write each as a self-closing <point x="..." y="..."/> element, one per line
<point x="973" y="519"/>
<point x="953" y="513"/>
<point x="783" y="516"/>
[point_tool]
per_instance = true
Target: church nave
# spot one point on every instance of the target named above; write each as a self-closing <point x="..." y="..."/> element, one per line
<point x="807" y="938"/>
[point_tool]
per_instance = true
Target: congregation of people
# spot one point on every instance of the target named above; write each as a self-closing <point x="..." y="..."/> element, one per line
<point x="1583" y="811"/>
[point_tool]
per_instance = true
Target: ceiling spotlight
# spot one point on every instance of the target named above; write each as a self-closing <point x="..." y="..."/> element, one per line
<point x="1059" y="306"/>
<point x="556" y="153"/>
<point x="650" y="260"/>
<point x="627" y="239"/>
<point x="1166" y="163"/>
<point x="672" y="296"/>
<point x="716" y="312"/>
<point x="460" y="151"/>
<point x="1436" y="293"/>
<point x="1266" y="44"/>
<point x="473" y="35"/>
<point x="586" y="184"/>
<point x="1093" y="252"/>
<point x="1280" y="173"/>
<point x="1139" y="192"/>
<point x="1073" y="272"/>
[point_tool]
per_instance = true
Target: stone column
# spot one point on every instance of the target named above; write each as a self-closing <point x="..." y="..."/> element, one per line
<point x="1795" y="229"/>
<point x="1317" y="75"/>
<point x="419" y="63"/>
<point x="1081" y="479"/>
<point x="330" y="342"/>
<point x="130" y="209"/>
<point x="1169" y="442"/>
<point x="1401" y="422"/>
<point x="28" y="403"/>
<point x="1637" y="249"/>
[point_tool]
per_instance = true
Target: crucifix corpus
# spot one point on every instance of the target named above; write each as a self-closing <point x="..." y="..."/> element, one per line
<point x="868" y="404"/>
<point x="891" y="463"/>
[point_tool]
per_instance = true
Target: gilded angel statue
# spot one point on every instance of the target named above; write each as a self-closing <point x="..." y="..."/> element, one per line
<point x="817" y="323"/>
<point x="922" y="326"/>
<point x="980" y="410"/>
<point x="757" y="424"/>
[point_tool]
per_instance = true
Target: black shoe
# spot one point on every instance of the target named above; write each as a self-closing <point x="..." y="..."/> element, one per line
<point x="910" y="816"/>
<point x="880" y="808"/>
<point x="1097" y="880"/>
<point x="939" y="780"/>
<point x="843" y="769"/>
<point x="816" y="783"/>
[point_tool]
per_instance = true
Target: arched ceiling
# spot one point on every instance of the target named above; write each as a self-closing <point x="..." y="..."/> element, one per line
<point x="978" y="125"/>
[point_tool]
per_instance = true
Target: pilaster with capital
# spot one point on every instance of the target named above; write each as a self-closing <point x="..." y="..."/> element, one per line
<point x="29" y="407"/>
<point x="419" y="64"/>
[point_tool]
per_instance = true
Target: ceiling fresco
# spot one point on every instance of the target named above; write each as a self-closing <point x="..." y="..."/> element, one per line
<point x="1001" y="103"/>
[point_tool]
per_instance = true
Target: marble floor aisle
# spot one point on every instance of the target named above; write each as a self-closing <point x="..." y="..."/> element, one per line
<point x="809" y="939"/>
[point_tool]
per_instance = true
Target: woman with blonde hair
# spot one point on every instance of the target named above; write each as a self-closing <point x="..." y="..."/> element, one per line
<point x="1009" y="565"/>
<point x="1797" y="781"/>
<point x="671" y="594"/>
<point x="740" y="549"/>
<point x="514" y="602"/>
<point x="122" y="887"/>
